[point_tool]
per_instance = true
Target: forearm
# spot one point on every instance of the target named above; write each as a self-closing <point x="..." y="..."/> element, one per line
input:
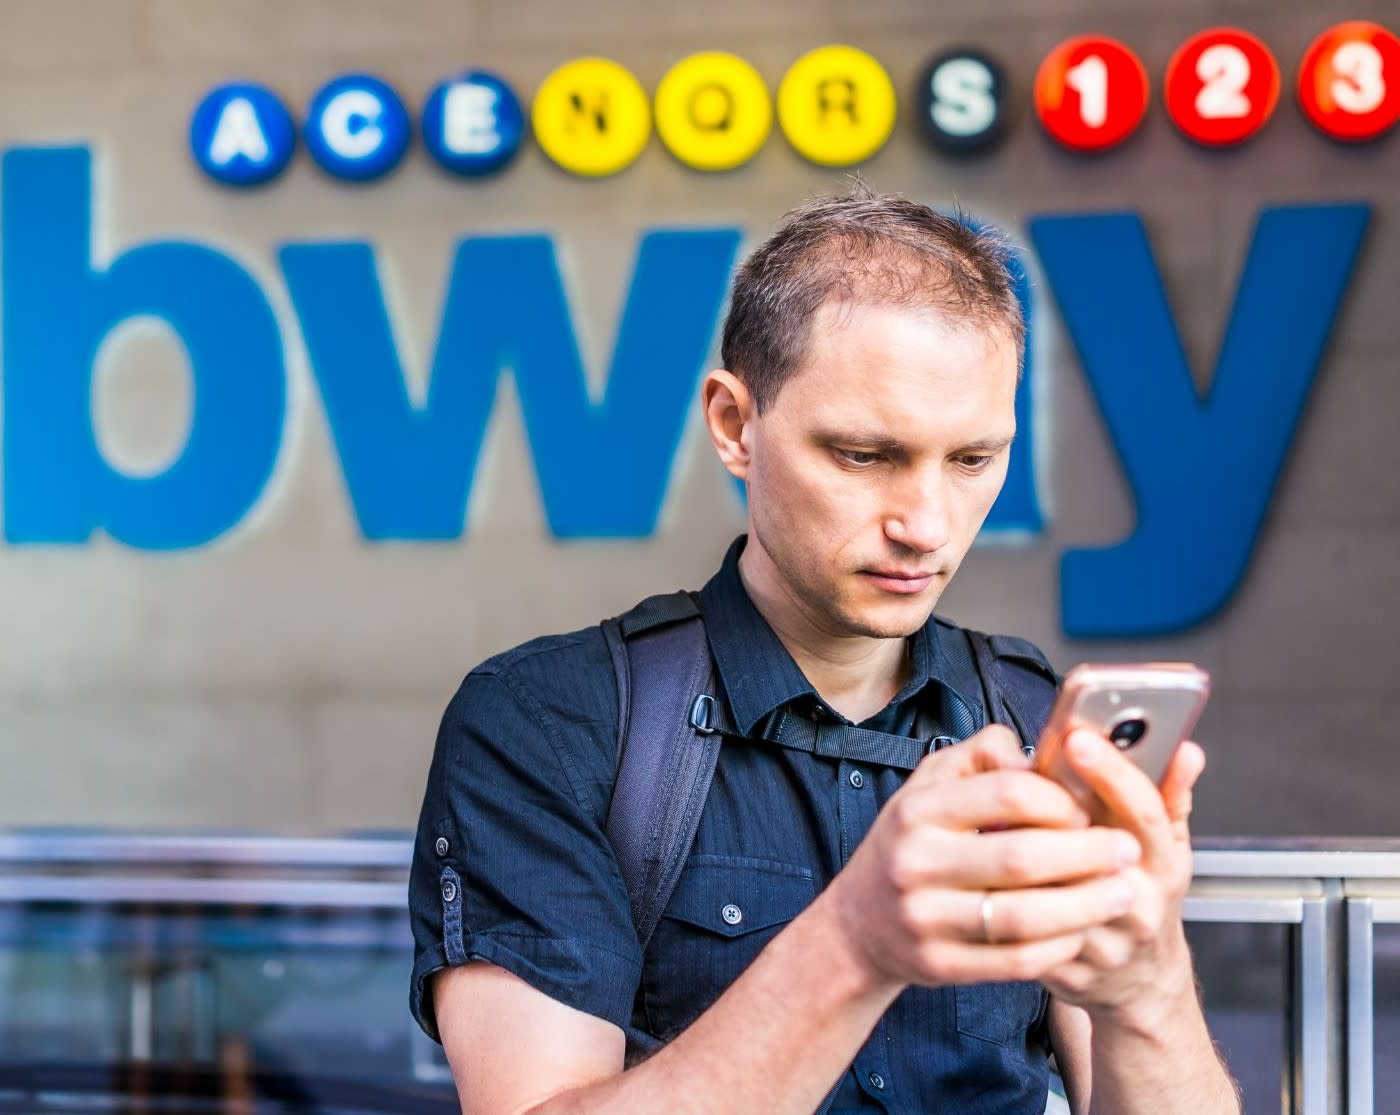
<point x="775" y="1041"/>
<point x="1158" y="1056"/>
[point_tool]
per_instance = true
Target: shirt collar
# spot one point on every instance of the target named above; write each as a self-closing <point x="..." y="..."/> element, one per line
<point x="756" y="670"/>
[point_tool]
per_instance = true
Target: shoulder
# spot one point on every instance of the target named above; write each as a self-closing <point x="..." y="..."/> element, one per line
<point x="547" y="704"/>
<point x="1004" y="648"/>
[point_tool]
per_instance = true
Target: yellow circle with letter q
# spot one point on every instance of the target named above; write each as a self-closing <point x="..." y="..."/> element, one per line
<point x="713" y="111"/>
<point x="592" y="117"/>
<point x="836" y="105"/>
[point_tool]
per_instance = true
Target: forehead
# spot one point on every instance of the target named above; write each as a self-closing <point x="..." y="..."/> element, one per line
<point x="905" y="367"/>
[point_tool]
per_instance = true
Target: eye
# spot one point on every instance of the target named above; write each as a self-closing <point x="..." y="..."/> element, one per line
<point x="858" y="458"/>
<point x="975" y="462"/>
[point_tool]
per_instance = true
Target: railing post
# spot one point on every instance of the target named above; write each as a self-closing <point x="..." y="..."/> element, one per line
<point x="1319" y="1010"/>
<point x="1361" y="1040"/>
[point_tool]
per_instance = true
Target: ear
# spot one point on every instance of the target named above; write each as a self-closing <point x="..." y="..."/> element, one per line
<point x="729" y="414"/>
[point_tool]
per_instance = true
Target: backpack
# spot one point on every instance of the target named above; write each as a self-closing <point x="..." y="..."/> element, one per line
<point x="671" y="723"/>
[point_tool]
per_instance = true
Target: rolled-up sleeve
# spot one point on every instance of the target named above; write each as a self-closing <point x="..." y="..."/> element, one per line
<point x="511" y="863"/>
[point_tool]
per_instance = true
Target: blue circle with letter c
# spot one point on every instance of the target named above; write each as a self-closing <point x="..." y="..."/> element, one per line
<point x="241" y="134"/>
<point x="473" y="123"/>
<point x="357" y="128"/>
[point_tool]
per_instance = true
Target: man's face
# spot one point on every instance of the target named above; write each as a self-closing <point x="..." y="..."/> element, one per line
<point x="873" y="469"/>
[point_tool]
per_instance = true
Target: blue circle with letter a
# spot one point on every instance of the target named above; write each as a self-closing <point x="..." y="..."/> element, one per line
<point x="473" y="123"/>
<point x="242" y="135"/>
<point x="357" y="128"/>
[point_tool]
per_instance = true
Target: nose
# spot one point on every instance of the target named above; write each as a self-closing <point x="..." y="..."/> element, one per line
<point x="919" y="517"/>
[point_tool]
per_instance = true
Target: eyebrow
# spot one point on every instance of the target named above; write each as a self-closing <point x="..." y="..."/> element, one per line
<point x="989" y="444"/>
<point x="870" y="439"/>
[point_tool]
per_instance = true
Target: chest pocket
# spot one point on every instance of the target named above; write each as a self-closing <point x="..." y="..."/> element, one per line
<point x="724" y="910"/>
<point x="998" y="1012"/>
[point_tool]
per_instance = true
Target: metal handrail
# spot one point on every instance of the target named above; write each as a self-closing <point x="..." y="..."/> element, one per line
<point x="1328" y="894"/>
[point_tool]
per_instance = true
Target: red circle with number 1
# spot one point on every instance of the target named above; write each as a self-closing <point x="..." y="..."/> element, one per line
<point x="1349" y="82"/>
<point x="1222" y="86"/>
<point x="1091" y="93"/>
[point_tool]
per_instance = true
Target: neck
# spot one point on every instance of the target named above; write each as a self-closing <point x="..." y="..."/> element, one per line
<point x="857" y="675"/>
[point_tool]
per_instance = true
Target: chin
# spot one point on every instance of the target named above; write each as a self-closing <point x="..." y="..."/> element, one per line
<point x="892" y="621"/>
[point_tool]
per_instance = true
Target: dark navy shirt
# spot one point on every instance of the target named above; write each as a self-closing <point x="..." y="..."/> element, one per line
<point x="512" y="864"/>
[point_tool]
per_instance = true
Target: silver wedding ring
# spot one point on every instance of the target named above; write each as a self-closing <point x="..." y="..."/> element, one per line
<point x="987" y="918"/>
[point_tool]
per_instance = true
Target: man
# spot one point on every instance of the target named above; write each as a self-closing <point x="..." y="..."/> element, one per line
<point x="845" y="936"/>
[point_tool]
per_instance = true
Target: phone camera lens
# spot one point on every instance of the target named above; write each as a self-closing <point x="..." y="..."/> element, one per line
<point x="1128" y="733"/>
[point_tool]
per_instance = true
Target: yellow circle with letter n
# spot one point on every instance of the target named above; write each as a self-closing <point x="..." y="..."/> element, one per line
<point x="592" y="117"/>
<point x="836" y="105"/>
<point x="713" y="111"/>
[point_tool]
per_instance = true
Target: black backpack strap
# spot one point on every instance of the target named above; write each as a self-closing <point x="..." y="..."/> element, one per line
<point x="1018" y="683"/>
<point x="667" y="753"/>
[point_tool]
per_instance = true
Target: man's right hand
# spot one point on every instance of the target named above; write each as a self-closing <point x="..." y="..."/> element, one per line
<point x="974" y="822"/>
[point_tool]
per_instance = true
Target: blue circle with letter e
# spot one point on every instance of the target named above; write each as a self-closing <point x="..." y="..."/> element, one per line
<point x="242" y="135"/>
<point x="357" y="128"/>
<point x="473" y="123"/>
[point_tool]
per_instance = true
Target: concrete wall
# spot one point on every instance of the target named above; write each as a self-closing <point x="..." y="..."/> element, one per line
<point x="289" y="677"/>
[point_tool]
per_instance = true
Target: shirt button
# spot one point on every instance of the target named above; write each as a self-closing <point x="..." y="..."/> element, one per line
<point x="732" y="914"/>
<point x="449" y="891"/>
<point x="441" y="846"/>
<point x="857" y="779"/>
<point x="876" y="1081"/>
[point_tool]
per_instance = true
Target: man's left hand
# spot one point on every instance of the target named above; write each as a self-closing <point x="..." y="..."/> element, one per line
<point x="1128" y="965"/>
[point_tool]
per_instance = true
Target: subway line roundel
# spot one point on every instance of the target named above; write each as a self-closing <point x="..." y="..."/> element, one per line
<point x="713" y="111"/>
<point x="1221" y="86"/>
<point x="1091" y="93"/>
<point x="960" y="97"/>
<point x="836" y="105"/>
<point x="592" y="117"/>
<point x="1349" y="81"/>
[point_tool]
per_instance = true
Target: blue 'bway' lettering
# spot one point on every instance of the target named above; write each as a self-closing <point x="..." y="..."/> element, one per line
<point x="1202" y="470"/>
<point x="58" y="309"/>
<point x="602" y="466"/>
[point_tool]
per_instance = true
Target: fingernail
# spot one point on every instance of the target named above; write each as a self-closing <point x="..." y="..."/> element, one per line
<point x="1129" y="850"/>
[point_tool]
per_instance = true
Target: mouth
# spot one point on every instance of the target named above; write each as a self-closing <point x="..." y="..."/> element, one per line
<point x="897" y="581"/>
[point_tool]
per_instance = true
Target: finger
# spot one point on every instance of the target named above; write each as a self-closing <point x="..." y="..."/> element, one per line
<point x="1107" y="947"/>
<point x="1132" y="801"/>
<point x="950" y="962"/>
<point x="1183" y="771"/>
<point x="995" y="747"/>
<point x="1026" y="858"/>
<point x="1016" y="916"/>
<point x="1003" y="798"/>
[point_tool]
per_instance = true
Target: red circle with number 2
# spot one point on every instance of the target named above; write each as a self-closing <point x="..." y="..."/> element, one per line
<point x="1222" y="86"/>
<point x="1349" y="82"/>
<point x="1091" y="93"/>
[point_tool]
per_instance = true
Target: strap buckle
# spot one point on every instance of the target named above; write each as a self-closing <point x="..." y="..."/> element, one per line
<point x="702" y="714"/>
<point x="938" y="743"/>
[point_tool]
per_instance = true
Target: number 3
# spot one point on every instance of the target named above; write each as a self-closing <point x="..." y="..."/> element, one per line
<point x="1359" y="86"/>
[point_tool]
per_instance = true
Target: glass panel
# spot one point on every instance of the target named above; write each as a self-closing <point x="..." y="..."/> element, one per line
<point x="1244" y="978"/>
<point x="1387" y="1001"/>
<point x="308" y="1006"/>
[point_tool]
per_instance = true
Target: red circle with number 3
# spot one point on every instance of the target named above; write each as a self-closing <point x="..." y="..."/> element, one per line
<point x="1091" y="93"/>
<point x="1222" y="86"/>
<point x="1349" y="82"/>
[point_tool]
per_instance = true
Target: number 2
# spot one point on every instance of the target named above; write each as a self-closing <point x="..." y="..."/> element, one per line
<point x="1225" y="70"/>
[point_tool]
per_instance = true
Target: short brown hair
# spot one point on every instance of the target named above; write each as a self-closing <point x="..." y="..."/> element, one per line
<point x="869" y="248"/>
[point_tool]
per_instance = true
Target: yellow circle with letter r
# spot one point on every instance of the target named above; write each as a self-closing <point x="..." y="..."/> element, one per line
<point x="713" y="111"/>
<point x="836" y="105"/>
<point x="592" y="117"/>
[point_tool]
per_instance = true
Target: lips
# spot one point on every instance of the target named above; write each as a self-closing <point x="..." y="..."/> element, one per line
<point x="898" y="581"/>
